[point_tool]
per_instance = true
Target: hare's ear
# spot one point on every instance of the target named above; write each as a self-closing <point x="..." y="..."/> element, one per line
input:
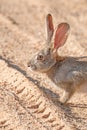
<point x="61" y="35"/>
<point x="50" y="28"/>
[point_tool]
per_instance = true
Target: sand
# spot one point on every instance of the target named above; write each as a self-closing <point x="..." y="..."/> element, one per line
<point x="29" y="100"/>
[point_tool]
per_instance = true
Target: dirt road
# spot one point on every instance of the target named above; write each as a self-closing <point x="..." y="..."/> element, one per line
<point x="28" y="100"/>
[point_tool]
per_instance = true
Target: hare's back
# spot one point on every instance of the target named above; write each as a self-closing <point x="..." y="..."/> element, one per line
<point x="71" y="70"/>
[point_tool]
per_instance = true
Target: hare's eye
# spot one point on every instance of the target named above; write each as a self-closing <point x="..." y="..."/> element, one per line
<point x="40" y="57"/>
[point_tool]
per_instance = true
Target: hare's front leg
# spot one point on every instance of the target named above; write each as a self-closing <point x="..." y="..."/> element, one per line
<point x="68" y="92"/>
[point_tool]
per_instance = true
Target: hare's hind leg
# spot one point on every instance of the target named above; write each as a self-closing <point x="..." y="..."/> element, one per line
<point x="67" y="94"/>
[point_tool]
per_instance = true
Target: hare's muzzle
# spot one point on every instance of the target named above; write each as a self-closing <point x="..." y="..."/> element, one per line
<point x="28" y="64"/>
<point x="31" y="66"/>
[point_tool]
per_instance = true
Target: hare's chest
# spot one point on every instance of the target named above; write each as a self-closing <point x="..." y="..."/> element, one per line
<point x="61" y="74"/>
<point x="59" y="78"/>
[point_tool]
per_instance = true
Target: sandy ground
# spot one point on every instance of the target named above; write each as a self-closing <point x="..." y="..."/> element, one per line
<point x="28" y="100"/>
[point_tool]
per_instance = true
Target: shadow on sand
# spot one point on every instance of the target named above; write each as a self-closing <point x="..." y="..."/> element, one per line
<point x="66" y="110"/>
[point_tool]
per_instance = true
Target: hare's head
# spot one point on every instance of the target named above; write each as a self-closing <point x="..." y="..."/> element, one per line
<point x="47" y="57"/>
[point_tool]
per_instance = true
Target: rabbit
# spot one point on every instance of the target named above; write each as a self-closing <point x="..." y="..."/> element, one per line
<point x="68" y="73"/>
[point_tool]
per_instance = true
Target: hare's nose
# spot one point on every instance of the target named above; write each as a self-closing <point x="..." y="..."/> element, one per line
<point x="29" y="64"/>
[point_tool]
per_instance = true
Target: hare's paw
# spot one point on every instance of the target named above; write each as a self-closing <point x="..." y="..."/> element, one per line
<point x="65" y="97"/>
<point x="64" y="100"/>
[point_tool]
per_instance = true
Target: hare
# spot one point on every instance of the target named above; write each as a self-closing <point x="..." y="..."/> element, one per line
<point x="68" y="73"/>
